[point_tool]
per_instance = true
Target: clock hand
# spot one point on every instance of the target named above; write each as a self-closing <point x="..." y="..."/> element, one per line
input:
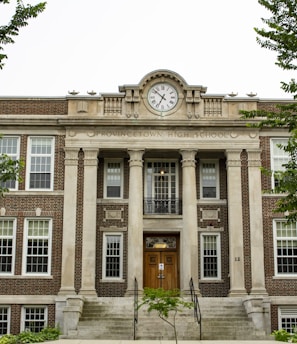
<point x="162" y="98"/>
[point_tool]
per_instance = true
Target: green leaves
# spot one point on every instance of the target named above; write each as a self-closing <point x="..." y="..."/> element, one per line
<point x="9" y="170"/>
<point x="46" y="334"/>
<point x="18" y="20"/>
<point x="280" y="35"/>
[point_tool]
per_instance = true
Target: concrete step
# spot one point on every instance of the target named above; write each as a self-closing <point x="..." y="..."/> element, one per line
<point x="113" y="318"/>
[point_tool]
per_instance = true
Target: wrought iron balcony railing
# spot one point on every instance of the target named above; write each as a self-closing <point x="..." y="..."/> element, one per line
<point x="162" y="206"/>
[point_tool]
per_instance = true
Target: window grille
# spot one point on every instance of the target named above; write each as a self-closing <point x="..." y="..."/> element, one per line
<point x="38" y="247"/>
<point x="285" y="248"/>
<point x="4" y="320"/>
<point x="10" y="146"/>
<point x="6" y="246"/>
<point x="288" y="318"/>
<point x="35" y="318"/>
<point x="41" y="162"/>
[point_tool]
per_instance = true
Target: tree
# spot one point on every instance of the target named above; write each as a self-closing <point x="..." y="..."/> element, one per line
<point x="9" y="168"/>
<point x="281" y="37"/>
<point x="18" y="20"/>
<point x="9" y="171"/>
<point x="164" y="302"/>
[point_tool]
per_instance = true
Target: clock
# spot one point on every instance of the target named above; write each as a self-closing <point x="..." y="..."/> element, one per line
<point x="162" y="97"/>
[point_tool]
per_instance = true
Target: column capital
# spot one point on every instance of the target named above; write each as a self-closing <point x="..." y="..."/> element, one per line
<point x="71" y="156"/>
<point x="91" y="156"/>
<point x="254" y="157"/>
<point x="135" y="157"/>
<point x="233" y="157"/>
<point x="188" y="157"/>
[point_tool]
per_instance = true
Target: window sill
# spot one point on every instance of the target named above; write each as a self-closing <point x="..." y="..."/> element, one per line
<point x="212" y="201"/>
<point x="285" y="277"/>
<point x="211" y="281"/>
<point x="26" y="276"/>
<point x="112" y="280"/>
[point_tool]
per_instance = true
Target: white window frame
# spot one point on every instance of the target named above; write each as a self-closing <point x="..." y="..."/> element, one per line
<point x="29" y="162"/>
<point x="106" y="162"/>
<point x="275" y="239"/>
<point x="8" y="318"/>
<point x="2" y="219"/>
<point x="283" y="156"/>
<point x="217" y="175"/>
<point x="23" y="315"/>
<point x="218" y="255"/>
<point x="287" y="312"/>
<point x="14" y="156"/>
<point x="49" y="238"/>
<point x="108" y="278"/>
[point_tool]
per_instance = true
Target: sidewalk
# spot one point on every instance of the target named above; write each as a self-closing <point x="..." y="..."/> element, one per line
<point x="95" y="341"/>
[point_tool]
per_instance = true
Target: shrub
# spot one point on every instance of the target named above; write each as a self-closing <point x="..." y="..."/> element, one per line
<point x="25" y="337"/>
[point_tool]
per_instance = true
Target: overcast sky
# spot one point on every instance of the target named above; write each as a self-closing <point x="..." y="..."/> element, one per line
<point x="99" y="45"/>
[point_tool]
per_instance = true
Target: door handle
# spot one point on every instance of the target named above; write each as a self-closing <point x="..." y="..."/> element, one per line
<point x="160" y="276"/>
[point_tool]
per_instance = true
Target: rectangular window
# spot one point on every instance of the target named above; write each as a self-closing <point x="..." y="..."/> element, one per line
<point x="7" y="246"/>
<point x="113" y="179"/>
<point x="4" y="320"/>
<point x="285" y="248"/>
<point x="209" y="180"/>
<point x="41" y="163"/>
<point x="210" y="256"/>
<point x="9" y="145"/>
<point x="37" y="252"/>
<point x="287" y="318"/>
<point x="278" y="158"/>
<point x="112" y="255"/>
<point x="34" y="318"/>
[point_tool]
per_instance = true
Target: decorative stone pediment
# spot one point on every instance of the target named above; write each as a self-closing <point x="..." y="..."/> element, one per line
<point x="161" y="94"/>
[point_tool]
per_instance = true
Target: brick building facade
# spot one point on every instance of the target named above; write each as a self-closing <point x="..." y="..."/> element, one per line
<point x="160" y="182"/>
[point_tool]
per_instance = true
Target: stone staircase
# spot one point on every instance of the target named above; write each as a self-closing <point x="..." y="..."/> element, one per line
<point x="112" y="318"/>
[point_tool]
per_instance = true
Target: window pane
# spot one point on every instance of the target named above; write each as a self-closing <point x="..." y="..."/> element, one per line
<point x="6" y="246"/>
<point x="210" y="256"/>
<point x="286" y="248"/>
<point x="113" y="179"/>
<point x="4" y="313"/>
<point x="35" y="319"/>
<point x="209" y="180"/>
<point x="37" y="255"/>
<point x="113" y="256"/>
<point x="9" y="146"/>
<point x="279" y="157"/>
<point x="41" y="162"/>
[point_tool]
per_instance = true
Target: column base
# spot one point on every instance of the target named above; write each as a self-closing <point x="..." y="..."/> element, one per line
<point x="88" y="292"/>
<point x="258" y="292"/>
<point x="237" y="293"/>
<point x="66" y="291"/>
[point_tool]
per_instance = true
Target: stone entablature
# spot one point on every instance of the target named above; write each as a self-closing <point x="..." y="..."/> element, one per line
<point x="117" y="138"/>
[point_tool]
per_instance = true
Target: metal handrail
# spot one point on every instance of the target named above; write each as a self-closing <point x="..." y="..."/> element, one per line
<point x="135" y="321"/>
<point x="197" y="311"/>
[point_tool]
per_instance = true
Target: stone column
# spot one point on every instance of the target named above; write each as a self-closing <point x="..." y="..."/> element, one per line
<point x="256" y="223"/>
<point x="189" y="239"/>
<point x="236" y="255"/>
<point x="69" y="221"/>
<point x="135" y="221"/>
<point x="89" y="222"/>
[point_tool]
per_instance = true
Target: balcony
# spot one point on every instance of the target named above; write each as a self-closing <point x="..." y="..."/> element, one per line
<point x="162" y="206"/>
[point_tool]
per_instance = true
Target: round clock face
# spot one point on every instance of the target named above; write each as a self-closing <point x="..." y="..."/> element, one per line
<point x="162" y="97"/>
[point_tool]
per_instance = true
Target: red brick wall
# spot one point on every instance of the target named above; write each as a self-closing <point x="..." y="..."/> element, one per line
<point x="33" y="106"/>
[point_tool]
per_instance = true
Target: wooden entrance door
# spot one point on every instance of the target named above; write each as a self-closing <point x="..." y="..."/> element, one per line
<point x="160" y="270"/>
